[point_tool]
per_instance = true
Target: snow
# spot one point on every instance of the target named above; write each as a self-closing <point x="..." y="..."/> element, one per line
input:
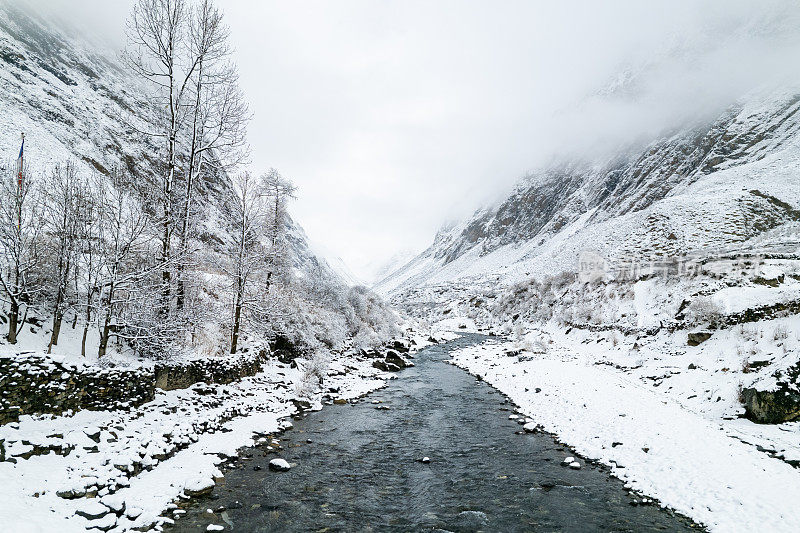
<point x="147" y="458"/>
<point x="688" y="460"/>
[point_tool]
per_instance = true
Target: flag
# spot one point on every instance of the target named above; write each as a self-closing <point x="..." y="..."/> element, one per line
<point x="19" y="163"/>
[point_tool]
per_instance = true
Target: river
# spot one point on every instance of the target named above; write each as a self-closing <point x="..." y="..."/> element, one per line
<point x="358" y="467"/>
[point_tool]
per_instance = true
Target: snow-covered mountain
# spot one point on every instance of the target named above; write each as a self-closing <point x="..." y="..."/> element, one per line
<point x="731" y="182"/>
<point x="74" y="100"/>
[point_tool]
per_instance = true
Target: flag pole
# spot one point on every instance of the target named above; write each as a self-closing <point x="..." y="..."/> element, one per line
<point x="19" y="182"/>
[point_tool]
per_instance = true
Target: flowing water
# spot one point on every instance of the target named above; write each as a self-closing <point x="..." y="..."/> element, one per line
<point x="357" y="468"/>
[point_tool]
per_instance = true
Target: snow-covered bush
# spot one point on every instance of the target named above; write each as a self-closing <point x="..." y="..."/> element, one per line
<point x="314" y="370"/>
<point x="704" y="310"/>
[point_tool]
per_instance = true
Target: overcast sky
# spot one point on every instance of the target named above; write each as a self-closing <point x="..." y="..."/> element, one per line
<point x="393" y="116"/>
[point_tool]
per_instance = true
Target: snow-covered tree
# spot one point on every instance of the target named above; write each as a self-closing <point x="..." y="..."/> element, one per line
<point x="65" y="198"/>
<point x="160" y="52"/>
<point x="217" y="117"/>
<point x="245" y="252"/>
<point x="122" y="279"/>
<point x="278" y="191"/>
<point x="20" y="246"/>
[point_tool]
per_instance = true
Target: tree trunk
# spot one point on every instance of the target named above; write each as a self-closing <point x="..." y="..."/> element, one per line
<point x="56" y="331"/>
<point x="86" y="325"/>
<point x="83" y="340"/>
<point x="101" y="349"/>
<point x="57" y="317"/>
<point x="13" y="320"/>
<point x="187" y="206"/>
<point x="236" y="319"/>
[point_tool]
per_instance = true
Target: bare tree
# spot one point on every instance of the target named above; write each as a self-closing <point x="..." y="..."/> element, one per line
<point x="160" y="53"/>
<point x="20" y="211"/>
<point x="90" y="259"/>
<point x="122" y="235"/>
<point x="218" y="115"/>
<point x="245" y="250"/>
<point x="64" y="196"/>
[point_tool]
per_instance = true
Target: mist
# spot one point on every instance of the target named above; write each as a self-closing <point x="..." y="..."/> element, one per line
<point x="394" y="116"/>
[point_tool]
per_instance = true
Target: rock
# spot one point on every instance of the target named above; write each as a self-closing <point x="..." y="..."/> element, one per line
<point x="114" y="502"/>
<point x="340" y="401"/>
<point x="531" y="427"/>
<point x="575" y="465"/>
<point x="279" y="465"/>
<point x="772" y="407"/>
<point x="70" y="494"/>
<point x="106" y="523"/>
<point x="256" y="468"/>
<point x="133" y="512"/>
<point x="394" y="358"/>
<point x="425" y="460"/>
<point x="400" y="345"/>
<point x="301" y="405"/>
<point x="92" y="510"/>
<point x="199" y="486"/>
<point x="696" y="338"/>
<point x="93" y="433"/>
<point x="215" y="527"/>
<point x="380" y="365"/>
<point x="567" y="461"/>
<point x="692" y="366"/>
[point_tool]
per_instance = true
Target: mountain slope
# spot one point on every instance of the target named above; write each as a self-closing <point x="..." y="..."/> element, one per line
<point x="73" y="101"/>
<point x="677" y="195"/>
<point x="76" y="102"/>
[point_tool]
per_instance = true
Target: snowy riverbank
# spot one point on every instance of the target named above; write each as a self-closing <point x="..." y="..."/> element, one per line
<point x="120" y="470"/>
<point x="727" y="473"/>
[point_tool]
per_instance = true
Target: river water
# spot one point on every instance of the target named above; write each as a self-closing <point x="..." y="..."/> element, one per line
<point x="357" y="468"/>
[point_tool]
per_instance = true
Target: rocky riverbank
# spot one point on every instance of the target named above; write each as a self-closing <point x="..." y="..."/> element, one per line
<point x="119" y="469"/>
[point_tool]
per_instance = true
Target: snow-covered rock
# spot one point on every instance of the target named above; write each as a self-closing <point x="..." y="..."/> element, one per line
<point x="279" y="465"/>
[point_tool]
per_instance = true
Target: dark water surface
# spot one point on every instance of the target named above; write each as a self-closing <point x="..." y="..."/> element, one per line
<point x="361" y="470"/>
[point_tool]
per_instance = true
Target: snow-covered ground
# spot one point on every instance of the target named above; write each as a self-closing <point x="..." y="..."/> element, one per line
<point x="124" y="468"/>
<point x="666" y="428"/>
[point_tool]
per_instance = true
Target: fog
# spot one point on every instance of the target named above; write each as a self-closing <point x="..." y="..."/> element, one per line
<point x="394" y="116"/>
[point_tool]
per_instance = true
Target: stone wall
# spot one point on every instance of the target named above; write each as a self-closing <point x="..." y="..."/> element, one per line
<point x="34" y="383"/>
<point x="183" y="374"/>
<point x="37" y="383"/>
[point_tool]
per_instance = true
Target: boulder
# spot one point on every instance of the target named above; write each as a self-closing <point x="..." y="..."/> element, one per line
<point x="396" y="359"/>
<point x="400" y="345"/>
<point x="380" y="365"/>
<point x="771" y="407"/>
<point x="696" y="338"/>
<point x="92" y="510"/>
<point x="374" y="354"/>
